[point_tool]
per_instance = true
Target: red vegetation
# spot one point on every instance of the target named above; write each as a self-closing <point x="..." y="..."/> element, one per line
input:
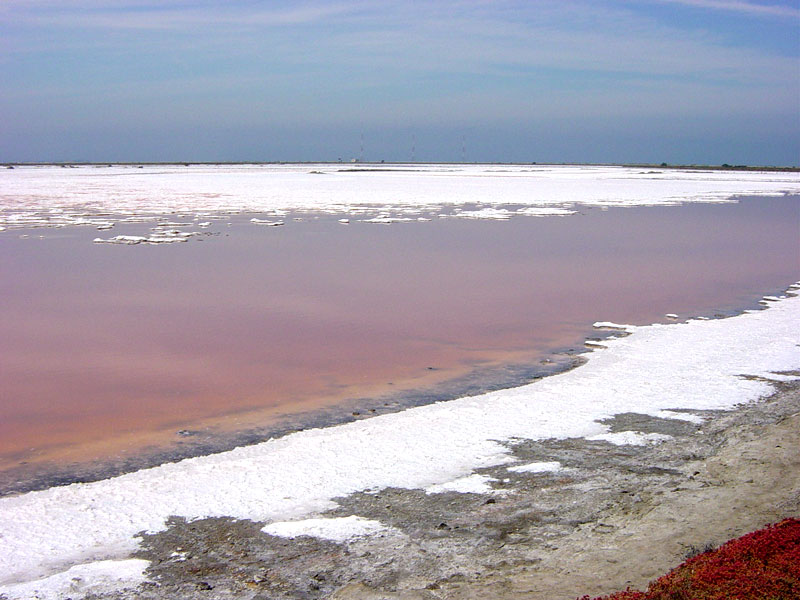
<point x="763" y="565"/>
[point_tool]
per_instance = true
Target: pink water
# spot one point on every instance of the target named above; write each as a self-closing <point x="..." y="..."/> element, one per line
<point x="108" y="349"/>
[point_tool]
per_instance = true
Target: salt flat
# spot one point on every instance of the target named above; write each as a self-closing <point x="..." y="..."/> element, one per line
<point x="97" y="196"/>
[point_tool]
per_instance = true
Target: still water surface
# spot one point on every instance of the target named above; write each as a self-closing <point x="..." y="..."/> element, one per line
<point x="106" y="349"/>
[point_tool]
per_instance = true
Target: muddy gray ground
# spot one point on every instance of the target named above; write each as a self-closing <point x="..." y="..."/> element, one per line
<point x="614" y="516"/>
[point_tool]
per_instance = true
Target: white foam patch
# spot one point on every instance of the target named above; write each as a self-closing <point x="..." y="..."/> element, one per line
<point x="81" y="580"/>
<point x="471" y="484"/>
<point x="341" y="529"/>
<point x="49" y="196"/>
<point x="696" y="365"/>
<point x="630" y="438"/>
<point x="537" y="467"/>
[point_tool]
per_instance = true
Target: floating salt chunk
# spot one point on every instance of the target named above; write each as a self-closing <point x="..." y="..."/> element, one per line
<point x="545" y="211"/>
<point x="103" y="226"/>
<point x="771" y="298"/>
<point x="344" y="221"/>
<point x="204" y="224"/>
<point x="423" y="219"/>
<point x="499" y="214"/>
<point x="266" y="223"/>
<point x="611" y="325"/>
<point x="2" y="228"/>
<point x="385" y="219"/>
<point x="174" y="233"/>
<point x="157" y="239"/>
<point x="671" y="316"/>
<point x="121" y="239"/>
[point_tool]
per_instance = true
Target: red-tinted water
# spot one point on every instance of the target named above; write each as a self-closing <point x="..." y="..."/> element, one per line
<point x="105" y="349"/>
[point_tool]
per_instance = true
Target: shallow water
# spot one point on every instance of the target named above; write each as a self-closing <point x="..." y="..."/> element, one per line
<point x="107" y="349"/>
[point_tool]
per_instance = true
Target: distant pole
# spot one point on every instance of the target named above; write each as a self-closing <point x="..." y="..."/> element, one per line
<point x="361" y="154"/>
<point x="463" y="149"/>
<point x="413" y="147"/>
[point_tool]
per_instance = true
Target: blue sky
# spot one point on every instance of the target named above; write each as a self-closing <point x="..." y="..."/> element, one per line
<point x="680" y="81"/>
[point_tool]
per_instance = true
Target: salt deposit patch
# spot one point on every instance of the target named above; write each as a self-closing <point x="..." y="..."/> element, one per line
<point x="471" y="484"/>
<point x="341" y="529"/>
<point x="696" y="365"/>
<point x="82" y="580"/>
<point x="680" y="416"/>
<point x="612" y="325"/>
<point x="536" y="467"/>
<point x="630" y="438"/>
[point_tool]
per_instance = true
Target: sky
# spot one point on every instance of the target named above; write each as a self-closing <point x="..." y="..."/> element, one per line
<point x="624" y="81"/>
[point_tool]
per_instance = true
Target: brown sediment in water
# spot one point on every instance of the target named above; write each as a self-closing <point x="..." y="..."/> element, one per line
<point x="109" y="351"/>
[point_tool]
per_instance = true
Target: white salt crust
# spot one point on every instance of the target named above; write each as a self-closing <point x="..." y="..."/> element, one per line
<point x="50" y="196"/>
<point x="80" y="580"/>
<point x="471" y="484"/>
<point x="537" y="467"/>
<point x="692" y="365"/>
<point x="339" y="529"/>
<point x="629" y="438"/>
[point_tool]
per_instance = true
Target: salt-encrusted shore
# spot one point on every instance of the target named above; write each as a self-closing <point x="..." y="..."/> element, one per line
<point x="425" y="480"/>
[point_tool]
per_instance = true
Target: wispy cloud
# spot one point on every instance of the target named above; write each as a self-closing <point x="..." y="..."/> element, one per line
<point x="748" y="8"/>
<point x="381" y="61"/>
<point x="146" y="15"/>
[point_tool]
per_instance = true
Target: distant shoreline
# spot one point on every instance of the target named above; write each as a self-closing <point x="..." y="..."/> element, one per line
<point x="698" y="167"/>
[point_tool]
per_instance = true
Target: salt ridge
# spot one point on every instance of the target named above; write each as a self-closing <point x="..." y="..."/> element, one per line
<point x="692" y="365"/>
